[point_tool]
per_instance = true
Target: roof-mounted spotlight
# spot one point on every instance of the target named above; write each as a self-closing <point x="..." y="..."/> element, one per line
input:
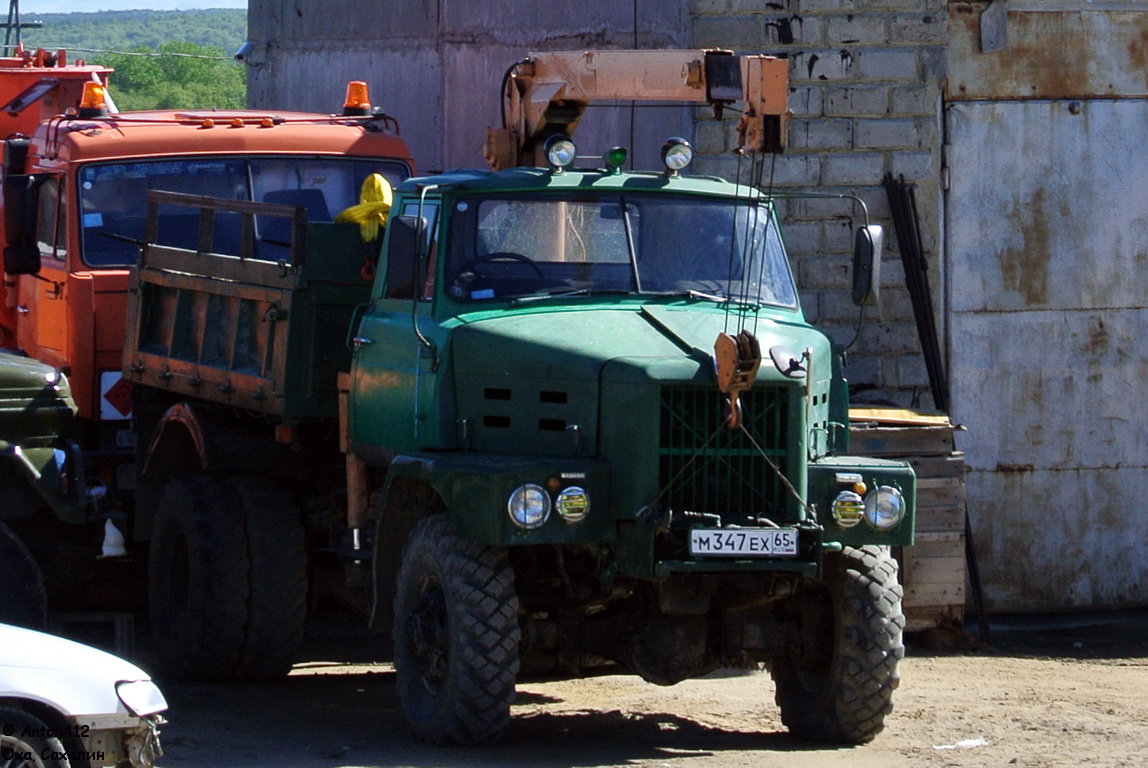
<point x="560" y="152"/>
<point x="676" y="154"/>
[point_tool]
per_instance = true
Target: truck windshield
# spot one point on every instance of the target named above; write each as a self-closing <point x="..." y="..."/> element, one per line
<point x="645" y="244"/>
<point x="113" y="198"/>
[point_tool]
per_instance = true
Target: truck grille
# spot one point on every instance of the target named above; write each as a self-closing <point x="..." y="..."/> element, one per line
<point x="726" y="475"/>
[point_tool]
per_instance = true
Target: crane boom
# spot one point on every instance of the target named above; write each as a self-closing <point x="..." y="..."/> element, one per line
<point x="547" y="93"/>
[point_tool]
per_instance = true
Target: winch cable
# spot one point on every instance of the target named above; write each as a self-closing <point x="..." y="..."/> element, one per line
<point x="756" y="180"/>
<point x="768" y="212"/>
<point x="777" y="471"/>
<point x="733" y="244"/>
<point x="653" y="505"/>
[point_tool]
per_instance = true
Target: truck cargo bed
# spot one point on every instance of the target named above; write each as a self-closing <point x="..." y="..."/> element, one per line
<point x="235" y="329"/>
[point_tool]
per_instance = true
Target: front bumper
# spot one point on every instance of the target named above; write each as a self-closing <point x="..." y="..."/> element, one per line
<point x="116" y="739"/>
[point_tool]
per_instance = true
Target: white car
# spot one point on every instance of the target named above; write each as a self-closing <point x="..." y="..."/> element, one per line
<point x="68" y="705"/>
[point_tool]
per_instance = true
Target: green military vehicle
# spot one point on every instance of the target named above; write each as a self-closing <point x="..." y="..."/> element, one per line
<point x="44" y="531"/>
<point x="576" y="423"/>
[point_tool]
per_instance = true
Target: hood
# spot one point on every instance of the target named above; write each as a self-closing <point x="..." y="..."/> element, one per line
<point x="71" y="677"/>
<point x="672" y="341"/>
<point x="23" y="379"/>
<point x="533" y="381"/>
<point x="28" y="649"/>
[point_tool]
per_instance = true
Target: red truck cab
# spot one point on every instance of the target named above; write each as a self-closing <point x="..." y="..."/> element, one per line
<point x="75" y="195"/>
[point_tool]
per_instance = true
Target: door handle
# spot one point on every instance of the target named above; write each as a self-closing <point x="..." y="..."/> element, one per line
<point x="360" y="341"/>
<point x="22" y="309"/>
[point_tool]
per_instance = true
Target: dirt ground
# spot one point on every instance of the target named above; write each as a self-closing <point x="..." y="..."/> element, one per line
<point x="1047" y="692"/>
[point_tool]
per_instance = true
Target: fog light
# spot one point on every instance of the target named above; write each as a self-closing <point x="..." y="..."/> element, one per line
<point x="573" y="504"/>
<point x="884" y="508"/>
<point x="529" y="506"/>
<point x="560" y="151"/>
<point x="848" y="509"/>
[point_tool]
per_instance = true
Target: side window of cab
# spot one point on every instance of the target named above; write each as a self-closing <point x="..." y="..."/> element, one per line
<point x="412" y="248"/>
<point x="51" y="220"/>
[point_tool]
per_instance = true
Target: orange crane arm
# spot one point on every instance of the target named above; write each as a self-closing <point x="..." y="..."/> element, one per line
<point x="547" y="93"/>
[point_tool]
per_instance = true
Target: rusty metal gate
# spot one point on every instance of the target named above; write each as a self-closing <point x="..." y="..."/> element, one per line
<point x="1047" y="276"/>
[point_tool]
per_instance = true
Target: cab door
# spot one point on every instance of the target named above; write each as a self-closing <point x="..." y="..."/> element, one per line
<point x="41" y="307"/>
<point x="397" y="349"/>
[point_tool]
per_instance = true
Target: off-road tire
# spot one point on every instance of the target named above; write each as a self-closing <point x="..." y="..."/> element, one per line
<point x="16" y="738"/>
<point x="836" y="682"/>
<point x="276" y="579"/>
<point x="23" y="599"/>
<point x="197" y="579"/>
<point x="456" y="636"/>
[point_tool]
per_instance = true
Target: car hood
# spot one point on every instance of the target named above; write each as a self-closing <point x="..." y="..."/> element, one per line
<point x="72" y="677"/>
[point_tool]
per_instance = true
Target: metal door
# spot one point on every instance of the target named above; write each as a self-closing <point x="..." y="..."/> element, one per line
<point x="1047" y="249"/>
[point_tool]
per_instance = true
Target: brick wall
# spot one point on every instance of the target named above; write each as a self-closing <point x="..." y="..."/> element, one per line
<point x="865" y="92"/>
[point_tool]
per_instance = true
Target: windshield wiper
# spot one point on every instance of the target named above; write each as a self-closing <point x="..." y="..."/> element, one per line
<point x="703" y="296"/>
<point x="122" y="238"/>
<point x="575" y="292"/>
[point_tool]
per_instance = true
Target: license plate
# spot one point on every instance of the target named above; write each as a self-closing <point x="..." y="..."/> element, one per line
<point x="744" y="542"/>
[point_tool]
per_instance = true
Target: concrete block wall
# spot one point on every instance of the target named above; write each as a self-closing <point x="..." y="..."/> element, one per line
<point x="866" y="79"/>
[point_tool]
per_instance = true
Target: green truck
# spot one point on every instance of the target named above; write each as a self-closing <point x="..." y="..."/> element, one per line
<point x="570" y="420"/>
<point x="45" y="535"/>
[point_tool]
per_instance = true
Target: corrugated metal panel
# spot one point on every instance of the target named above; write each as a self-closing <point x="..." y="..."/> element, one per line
<point x="1054" y="49"/>
<point x="1047" y="245"/>
<point x="436" y="66"/>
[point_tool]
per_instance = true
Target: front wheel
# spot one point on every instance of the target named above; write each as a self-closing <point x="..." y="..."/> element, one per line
<point x="25" y="742"/>
<point x="456" y="636"/>
<point x="835" y="681"/>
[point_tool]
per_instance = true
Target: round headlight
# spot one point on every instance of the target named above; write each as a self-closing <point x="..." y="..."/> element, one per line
<point x="677" y="154"/>
<point x="848" y="509"/>
<point x="529" y="506"/>
<point x="560" y="150"/>
<point x="573" y="504"/>
<point x="884" y="508"/>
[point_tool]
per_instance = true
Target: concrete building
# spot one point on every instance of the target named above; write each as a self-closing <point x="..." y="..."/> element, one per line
<point x="1017" y="126"/>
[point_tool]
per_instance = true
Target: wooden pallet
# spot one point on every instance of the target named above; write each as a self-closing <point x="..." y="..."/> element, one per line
<point x="933" y="571"/>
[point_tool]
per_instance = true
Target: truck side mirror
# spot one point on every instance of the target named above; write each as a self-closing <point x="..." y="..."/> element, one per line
<point x="22" y="253"/>
<point x="407" y="240"/>
<point x="867" y="245"/>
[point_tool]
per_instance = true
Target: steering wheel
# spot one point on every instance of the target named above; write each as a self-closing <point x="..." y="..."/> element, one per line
<point x="502" y="256"/>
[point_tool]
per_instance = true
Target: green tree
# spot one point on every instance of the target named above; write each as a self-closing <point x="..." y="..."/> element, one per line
<point x="176" y="75"/>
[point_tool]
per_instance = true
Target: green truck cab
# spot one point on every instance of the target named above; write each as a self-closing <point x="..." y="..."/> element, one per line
<point x="43" y="516"/>
<point x="576" y="422"/>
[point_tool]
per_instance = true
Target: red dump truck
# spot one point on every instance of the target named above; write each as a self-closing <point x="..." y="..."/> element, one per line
<point x="76" y="176"/>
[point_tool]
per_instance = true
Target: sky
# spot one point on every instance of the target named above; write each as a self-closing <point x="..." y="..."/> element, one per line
<point x="88" y="6"/>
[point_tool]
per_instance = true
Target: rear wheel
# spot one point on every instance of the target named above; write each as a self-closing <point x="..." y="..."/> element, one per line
<point x="23" y="599"/>
<point x="836" y="681"/>
<point x="197" y="579"/>
<point x="456" y="636"/>
<point x="277" y="578"/>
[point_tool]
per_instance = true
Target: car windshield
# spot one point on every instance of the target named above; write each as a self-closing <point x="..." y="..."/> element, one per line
<point x="113" y="199"/>
<point x="642" y="243"/>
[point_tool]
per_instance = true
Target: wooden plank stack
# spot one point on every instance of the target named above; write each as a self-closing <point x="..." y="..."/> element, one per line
<point x="933" y="571"/>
